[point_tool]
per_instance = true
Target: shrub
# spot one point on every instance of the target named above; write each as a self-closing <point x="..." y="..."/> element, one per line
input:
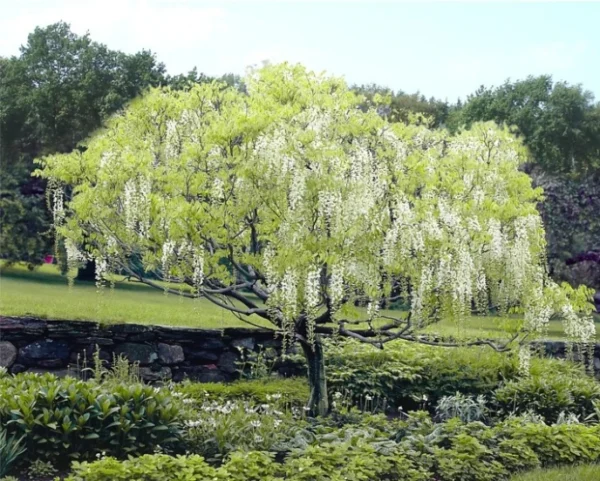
<point x="220" y="428"/>
<point x="157" y="467"/>
<point x="251" y="466"/>
<point x="11" y="449"/>
<point x="39" y="468"/>
<point x="555" y="444"/>
<point x="290" y="392"/>
<point x="69" y="417"/>
<point x="466" y="408"/>
<point x="356" y="460"/>
<point x="411" y="376"/>
<point x="549" y="395"/>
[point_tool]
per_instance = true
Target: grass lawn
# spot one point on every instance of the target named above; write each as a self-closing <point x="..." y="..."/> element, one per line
<point x="570" y="473"/>
<point x="44" y="293"/>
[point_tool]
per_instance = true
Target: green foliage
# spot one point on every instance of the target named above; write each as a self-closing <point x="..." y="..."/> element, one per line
<point x="467" y="460"/>
<point x="288" y="392"/>
<point x="52" y="96"/>
<point x="408" y="375"/>
<point x="39" y="468"/>
<point x="549" y="395"/>
<point x="251" y="466"/>
<point x="158" y="467"/>
<point x="215" y="429"/>
<point x="11" y="449"/>
<point x="466" y="408"/>
<point x="402" y="107"/>
<point x="579" y="473"/>
<point x="555" y="444"/>
<point x="67" y="418"/>
<point x="559" y="122"/>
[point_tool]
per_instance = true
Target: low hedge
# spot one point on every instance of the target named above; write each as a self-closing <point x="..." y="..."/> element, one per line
<point x="422" y="451"/>
<point x="59" y="419"/>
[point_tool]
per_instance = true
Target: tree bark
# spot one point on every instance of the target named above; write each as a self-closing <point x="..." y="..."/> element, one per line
<point x="318" y="402"/>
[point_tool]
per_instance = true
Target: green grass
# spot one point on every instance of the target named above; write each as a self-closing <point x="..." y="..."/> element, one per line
<point x="44" y="293"/>
<point x="571" y="473"/>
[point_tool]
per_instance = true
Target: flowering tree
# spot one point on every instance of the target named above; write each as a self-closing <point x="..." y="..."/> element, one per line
<point x="289" y="203"/>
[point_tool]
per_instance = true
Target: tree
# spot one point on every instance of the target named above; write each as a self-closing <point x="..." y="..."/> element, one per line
<point x="55" y="94"/>
<point x="313" y="203"/>
<point x="559" y="122"/>
<point x="401" y="107"/>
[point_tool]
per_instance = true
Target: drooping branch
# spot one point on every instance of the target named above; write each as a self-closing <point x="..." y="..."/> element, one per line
<point x="373" y="337"/>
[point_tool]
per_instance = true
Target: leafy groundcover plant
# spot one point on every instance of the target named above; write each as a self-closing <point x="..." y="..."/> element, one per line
<point x="419" y="450"/>
<point x="64" y="419"/>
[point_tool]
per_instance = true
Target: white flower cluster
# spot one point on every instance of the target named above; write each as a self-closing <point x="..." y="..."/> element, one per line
<point x="336" y="285"/>
<point x="172" y="140"/>
<point x="198" y="267"/>
<point x="58" y="210"/>
<point x="582" y="329"/>
<point x="101" y="270"/>
<point x="137" y="206"/>
<point x="168" y="250"/>
<point x="524" y="360"/>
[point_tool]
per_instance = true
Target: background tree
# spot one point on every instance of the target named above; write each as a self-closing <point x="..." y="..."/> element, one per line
<point x="55" y="94"/>
<point x="315" y="204"/>
<point x="559" y="122"/>
<point x="402" y="106"/>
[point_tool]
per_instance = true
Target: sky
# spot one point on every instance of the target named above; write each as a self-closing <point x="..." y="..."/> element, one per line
<point x="442" y="49"/>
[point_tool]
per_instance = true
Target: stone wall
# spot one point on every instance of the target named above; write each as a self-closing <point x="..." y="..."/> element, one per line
<point x="206" y="355"/>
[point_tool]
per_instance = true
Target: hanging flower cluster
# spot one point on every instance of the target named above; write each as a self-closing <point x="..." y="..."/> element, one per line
<point x="136" y="202"/>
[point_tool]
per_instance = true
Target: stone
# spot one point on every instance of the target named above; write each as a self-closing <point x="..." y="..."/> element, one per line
<point x="270" y="343"/>
<point x="121" y="332"/>
<point x="17" y="368"/>
<point x="204" y="374"/>
<point x="245" y="343"/>
<point x="201" y="356"/>
<point x="56" y="372"/>
<point x="228" y="362"/>
<point x="185" y="335"/>
<point x="144" y="354"/>
<point x="151" y="375"/>
<point x="85" y="355"/>
<point x="70" y="329"/>
<point x="211" y="344"/>
<point x="8" y="354"/>
<point x="51" y="363"/>
<point x="170" y="353"/>
<point x="142" y="337"/>
<point x="100" y="341"/>
<point x="44" y="350"/>
<point x="14" y="329"/>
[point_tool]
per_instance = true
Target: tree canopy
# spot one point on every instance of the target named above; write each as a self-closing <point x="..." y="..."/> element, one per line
<point x="53" y="95"/>
<point x="291" y="203"/>
<point x="560" y="123"/>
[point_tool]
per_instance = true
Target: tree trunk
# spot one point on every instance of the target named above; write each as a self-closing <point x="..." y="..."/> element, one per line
<point x="318" y="402"/>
